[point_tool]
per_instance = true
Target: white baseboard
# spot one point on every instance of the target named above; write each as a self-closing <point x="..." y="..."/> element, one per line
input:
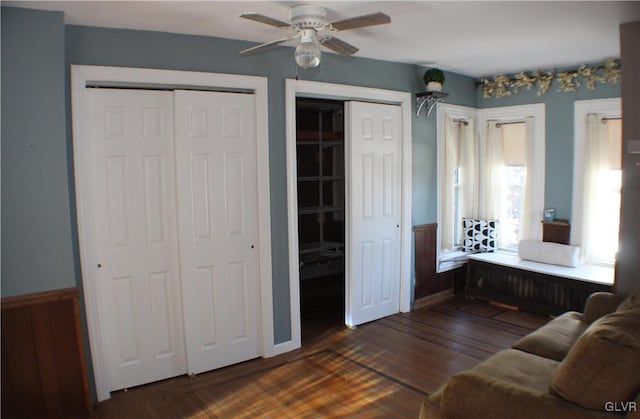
<point x="283" y="347"/>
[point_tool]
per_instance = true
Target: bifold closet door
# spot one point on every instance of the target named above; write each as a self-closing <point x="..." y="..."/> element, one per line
<point x="134" y="208"/>
<point x="373" y="214"/>
<point x="217" y="207"/>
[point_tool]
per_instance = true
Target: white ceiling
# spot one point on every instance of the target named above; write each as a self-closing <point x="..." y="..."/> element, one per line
<point x="474" y="38"/>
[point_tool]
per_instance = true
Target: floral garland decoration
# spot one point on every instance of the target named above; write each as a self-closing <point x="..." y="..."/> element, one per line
<point x="568" y="81"/>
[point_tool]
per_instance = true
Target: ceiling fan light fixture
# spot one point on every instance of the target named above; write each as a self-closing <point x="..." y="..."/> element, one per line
<point x="310" y="24"/>
<point x="308" y="53"/>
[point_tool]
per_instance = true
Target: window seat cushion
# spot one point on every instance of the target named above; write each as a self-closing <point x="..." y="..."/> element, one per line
<point x="550" y="253"/>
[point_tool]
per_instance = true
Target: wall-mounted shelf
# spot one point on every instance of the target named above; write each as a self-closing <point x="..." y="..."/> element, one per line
<point x="429" y="99"/>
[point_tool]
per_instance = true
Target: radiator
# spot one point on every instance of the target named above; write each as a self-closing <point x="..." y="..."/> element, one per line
<point x="528" y="290"/>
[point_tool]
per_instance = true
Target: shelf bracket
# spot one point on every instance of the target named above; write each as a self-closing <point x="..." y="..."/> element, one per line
<point x="430" y="99"/>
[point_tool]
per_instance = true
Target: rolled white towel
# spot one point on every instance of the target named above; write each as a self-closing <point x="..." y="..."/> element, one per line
<point x="551" y="253"/>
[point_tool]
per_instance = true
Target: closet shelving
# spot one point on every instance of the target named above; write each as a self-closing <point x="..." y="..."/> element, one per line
<point x="320" y="161"/>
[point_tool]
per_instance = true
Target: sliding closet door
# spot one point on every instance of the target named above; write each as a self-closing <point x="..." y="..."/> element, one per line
<point x="217" y="212"/>
<point x="374" y="200"/>
<point x="135" y="234"/>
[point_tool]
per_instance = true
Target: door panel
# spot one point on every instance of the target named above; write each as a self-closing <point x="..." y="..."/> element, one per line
<point x="217" y="212"/>
<point x="373" y="236"/>
<point x="134" y="207"/>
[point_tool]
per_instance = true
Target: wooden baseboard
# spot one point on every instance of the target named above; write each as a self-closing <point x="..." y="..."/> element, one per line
<point x="27" y="300"/>
<point x="434" y="299"/>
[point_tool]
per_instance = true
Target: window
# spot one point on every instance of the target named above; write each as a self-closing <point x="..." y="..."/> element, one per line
<point x="512" y="202"/>
<point x="495" y="172"/>
<point x="456" y="161"/>
<point x="515" y="172"/>
<point x="597" y="179"/>
<point x="457" y="215"/>
<point x="513" y="168"/>
<point x="607" y="210"/>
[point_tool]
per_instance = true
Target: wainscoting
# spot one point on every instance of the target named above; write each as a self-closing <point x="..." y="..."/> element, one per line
<point x="428" y="281"/>
<point x="43" y="369"/>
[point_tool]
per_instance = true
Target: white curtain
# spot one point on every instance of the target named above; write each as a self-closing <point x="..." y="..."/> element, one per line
<point x="596" y="162"/>
<point x="460" y="151"/>
<point x="451" y="158"/>
<point x="469" y="192"/>
<point x="492" y="176"/>
<point x="530" y="226"/>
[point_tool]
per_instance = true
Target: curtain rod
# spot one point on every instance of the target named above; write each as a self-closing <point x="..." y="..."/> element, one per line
<point x="499" y="124"/>
<point x="610" y="118"/>
<point x="461" y="121"/>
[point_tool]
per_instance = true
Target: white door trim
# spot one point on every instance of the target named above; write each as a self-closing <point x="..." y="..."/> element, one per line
<point x="321" y="90"/>
<point x="81" y="76"/>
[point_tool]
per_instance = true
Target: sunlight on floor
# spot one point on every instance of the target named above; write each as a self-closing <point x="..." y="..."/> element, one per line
<point x="326" y="384"/>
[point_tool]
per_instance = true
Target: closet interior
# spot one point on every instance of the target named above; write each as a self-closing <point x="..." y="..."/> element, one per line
<point x="321" y="214"/>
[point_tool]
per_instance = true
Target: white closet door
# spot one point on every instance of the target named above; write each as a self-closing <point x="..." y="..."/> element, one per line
<point x="135" y="233"/>
<point x="217" y="212"/>
<point x="373" y="229"/>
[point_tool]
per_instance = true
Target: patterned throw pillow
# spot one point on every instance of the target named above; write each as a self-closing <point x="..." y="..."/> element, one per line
<point x="479" y="235"/>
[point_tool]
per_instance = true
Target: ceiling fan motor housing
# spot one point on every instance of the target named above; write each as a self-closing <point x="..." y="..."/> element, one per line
<point x="308" y="16"/>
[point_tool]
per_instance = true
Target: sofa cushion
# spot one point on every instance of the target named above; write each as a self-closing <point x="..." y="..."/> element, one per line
<point x="519" y="368"/>
<point x="554" y="340"/>
<point x="631" y="302"/>
<point x="510" y="384"/>
<point x="603" y="364"/>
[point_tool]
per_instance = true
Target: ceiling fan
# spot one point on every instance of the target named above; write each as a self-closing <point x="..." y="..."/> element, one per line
<point x="311" y="26"/>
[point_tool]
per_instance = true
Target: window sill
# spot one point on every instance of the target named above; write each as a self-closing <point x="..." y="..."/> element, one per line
<point x="451" y="260"/>
<point x="587" y="272"/>
<point x="454" y="259"/>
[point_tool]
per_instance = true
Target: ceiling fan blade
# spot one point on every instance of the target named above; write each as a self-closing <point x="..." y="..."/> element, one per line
<point x="361" y="21"/>
<point x="266" y="45"/>
<point x="339" y="46"/>
<point x="257" y="17"/>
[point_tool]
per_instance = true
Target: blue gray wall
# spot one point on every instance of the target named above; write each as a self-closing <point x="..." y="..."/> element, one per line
<point x="559" y="147"/>
<point x="37" y="242"/>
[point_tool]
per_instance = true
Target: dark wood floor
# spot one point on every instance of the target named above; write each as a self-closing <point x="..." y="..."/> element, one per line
<point x="381" y="369"/>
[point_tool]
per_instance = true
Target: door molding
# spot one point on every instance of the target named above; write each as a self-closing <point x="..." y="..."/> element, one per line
<point x="320" y="90"/>
<point x="83" y="76"/>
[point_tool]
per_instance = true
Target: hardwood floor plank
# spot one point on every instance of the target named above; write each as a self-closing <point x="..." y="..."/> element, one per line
<point x="523" y="318"/>
<point x="381" y="369"/>
<point x="422" y="364"/>
<point x="459" y="334"/>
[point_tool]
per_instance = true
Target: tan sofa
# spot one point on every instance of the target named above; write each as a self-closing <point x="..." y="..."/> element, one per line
<point x="579" y="365"/>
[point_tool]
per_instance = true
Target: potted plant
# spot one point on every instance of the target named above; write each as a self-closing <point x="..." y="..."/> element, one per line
<point x="433" y="79"/>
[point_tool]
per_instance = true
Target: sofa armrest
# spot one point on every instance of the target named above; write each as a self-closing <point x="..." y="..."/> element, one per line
<point x="600" y="303"/>
<point x="475" y="395"/>
<point x="430" y="408"/>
